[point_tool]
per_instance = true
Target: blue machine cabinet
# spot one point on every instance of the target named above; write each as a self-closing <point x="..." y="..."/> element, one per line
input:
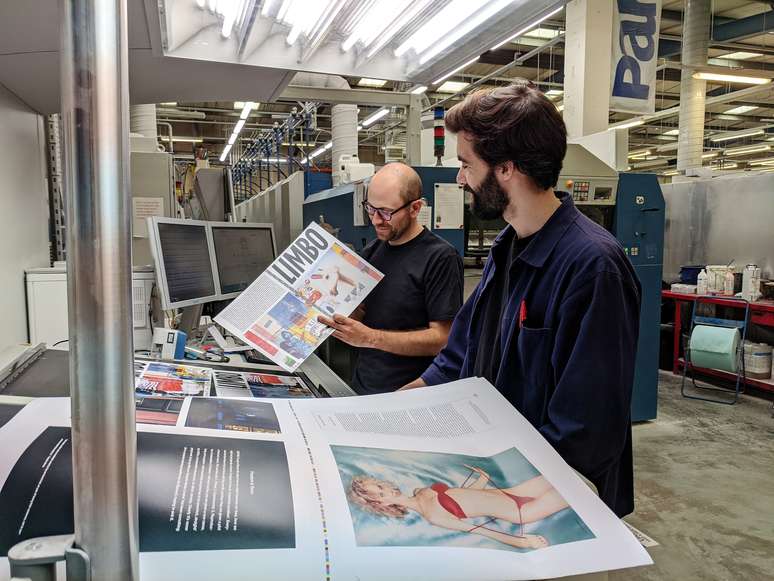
<point x="335" y="205"/>
<point x="639" y="226"/>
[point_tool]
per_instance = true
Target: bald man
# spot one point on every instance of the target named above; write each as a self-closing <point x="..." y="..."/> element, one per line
<point x="408" y="315"/>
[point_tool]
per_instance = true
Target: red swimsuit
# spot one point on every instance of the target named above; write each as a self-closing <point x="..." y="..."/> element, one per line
<point x="453" y="508"/>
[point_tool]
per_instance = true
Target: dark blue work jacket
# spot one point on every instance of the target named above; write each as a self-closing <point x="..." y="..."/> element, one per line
<point x="569" y="367"/>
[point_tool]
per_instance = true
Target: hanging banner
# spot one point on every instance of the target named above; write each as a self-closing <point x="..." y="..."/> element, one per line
<point x="635" y="51"/>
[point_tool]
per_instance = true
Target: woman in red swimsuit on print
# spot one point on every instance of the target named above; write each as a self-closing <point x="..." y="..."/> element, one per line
<point x="450" y="507"/>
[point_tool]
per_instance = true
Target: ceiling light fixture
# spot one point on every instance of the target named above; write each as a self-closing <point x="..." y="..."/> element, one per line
<point x="724" y="78"/>
<point x="409" y="15"/>
<point x="239" y="125"/>
<point x="740" y="55"/>
<point x="418" y="90"/>
<point x="452" y="87"/>
<point x="455" y="71"/>
<point x="249" y="106"/>
<point x="710" y="155"/>
<point x="232" y="139"/>
<point x="736" y="135"/>
<point x="225" y="153"/>
<point x="266" y="7"/>
<point x="375" y="83"/>
<point x="741" y="110"/>
<point x="183" y="139"/>
<point x="627" y="125"/>
<point x="672" y="132"/>
<point x="527" y="28"/>
<point x="747" y="150"/>
<point x="373" y="118"/>
<point x="378" y="22"/>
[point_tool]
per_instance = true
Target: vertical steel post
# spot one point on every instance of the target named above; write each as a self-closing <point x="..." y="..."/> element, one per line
<point x="95" y="105"/>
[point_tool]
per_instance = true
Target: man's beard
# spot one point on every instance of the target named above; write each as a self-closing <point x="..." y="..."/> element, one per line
<point x="490" y="199"/>
<point x="393" y="233"/>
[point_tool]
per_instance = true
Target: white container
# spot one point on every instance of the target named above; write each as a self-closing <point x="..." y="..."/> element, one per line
<point x="757" y="360"/>
<point x="716" y="280"/>
<point x="728" y="284"/>
<point x="702" y="283"/>
<point x="751" y="283"/>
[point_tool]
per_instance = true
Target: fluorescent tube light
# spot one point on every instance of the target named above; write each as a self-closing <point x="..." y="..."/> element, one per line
<point x="370" y="120"/>
<point x="627" y="125"/>
<point x="528" y="28"/>
<point x="239" y="125"/>
<point x="376" y="83"/>
<point x="742" y="109"/>
<point x="452" y="87"/>
<point x="457" y="70"/>
<point x="747" y="150"/>
<point x="249" y="105"/>
<point x="464" y="27"/>
<point x="707" y="76"/>
<point x="736" y="135"/>
<point x="183" y="139"/>
<point x="740" y="55"/>
<point x="233" y="138"/>
<point x="418" y="90"/>
<point x="225" y="153"/>
<point x="672" y="132"/>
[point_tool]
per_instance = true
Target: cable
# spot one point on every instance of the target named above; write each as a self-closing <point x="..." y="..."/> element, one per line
<point x="60" y="342"/>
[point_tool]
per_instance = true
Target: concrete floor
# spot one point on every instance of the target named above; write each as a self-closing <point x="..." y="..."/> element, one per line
<point x="705" y="489"/>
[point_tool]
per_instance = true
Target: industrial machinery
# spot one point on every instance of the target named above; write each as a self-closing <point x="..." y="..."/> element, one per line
<point x="341" y="208"/>
<point x="630" y="206"/>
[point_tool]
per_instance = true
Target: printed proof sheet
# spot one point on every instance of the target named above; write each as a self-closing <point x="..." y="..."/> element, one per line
<point x="445" y="482"/>
<point x="316" y="275"/>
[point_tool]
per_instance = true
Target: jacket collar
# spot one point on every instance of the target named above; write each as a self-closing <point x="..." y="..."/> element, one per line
<point x="539" y="249"/>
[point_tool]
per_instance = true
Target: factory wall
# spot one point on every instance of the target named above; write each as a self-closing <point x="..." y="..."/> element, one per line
<point x="23" y="210"/>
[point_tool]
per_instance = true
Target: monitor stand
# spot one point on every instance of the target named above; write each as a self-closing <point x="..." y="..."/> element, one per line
<point x="189" y="319"/>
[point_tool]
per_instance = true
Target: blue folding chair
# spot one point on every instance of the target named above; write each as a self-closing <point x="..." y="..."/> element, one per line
<point x="740" y="370"/>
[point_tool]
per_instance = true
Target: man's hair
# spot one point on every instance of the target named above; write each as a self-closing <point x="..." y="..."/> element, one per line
<point x="517" y="123"/>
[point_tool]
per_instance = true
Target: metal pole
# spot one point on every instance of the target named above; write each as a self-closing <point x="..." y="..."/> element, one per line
<point x="95" y="105"/>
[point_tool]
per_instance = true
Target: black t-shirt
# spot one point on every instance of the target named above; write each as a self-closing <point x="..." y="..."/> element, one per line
<point x="423" y="282"/>
<point x="489" y="351"/>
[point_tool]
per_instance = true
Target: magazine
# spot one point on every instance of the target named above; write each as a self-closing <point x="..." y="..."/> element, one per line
<point x="441" y="483"/>
<point x="316" y="275"/>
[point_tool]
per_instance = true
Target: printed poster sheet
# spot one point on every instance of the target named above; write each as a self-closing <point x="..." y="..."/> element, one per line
<point x="259" y="384"/>
<point x="316" y="275"/>
<point x="446" y="482"/>
<point x="171" y="379"/>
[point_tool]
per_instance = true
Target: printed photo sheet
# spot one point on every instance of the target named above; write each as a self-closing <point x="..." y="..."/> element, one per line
<point x="161" y="378"/>
<point x="316" y="275"/>
<point x="448" y="482"/>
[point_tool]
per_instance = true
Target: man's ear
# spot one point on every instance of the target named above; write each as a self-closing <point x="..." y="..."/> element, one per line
<point x="505" y="170"/>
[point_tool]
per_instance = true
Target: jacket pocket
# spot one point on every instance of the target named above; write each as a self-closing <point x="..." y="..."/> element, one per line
<point x="534" y="350"/>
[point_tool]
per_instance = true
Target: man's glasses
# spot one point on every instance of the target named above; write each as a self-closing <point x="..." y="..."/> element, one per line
<point x="385" y="214"/>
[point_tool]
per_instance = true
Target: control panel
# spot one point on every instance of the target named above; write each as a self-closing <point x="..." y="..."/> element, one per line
<point x="591" y="191"/>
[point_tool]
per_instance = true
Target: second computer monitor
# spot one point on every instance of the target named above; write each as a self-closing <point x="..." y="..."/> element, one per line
<point x="242" y="252"/>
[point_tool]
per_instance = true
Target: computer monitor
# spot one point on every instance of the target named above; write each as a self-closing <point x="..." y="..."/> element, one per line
<point x="242" y="252"/>
<point x="185" y="268"/>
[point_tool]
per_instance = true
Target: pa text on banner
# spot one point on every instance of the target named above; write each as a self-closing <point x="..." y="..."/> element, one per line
<point x="635" y="52"/>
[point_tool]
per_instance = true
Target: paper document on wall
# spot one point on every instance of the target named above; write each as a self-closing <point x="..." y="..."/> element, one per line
<point x="441" y="483"/>
<point x="316" y="275"/>
<point x="449" y="207"/>
<point x="143" y="208"/>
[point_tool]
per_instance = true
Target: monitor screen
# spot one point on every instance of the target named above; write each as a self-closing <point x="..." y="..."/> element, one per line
<point x="187" y="264"/>
<point x="242" y="253"/>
